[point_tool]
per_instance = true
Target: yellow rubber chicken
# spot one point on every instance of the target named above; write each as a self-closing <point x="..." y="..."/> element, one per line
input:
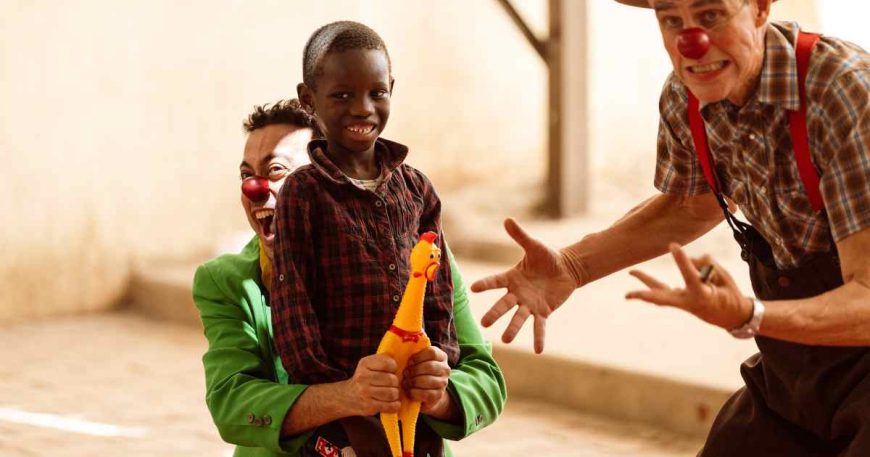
<point x="406" y="337"/>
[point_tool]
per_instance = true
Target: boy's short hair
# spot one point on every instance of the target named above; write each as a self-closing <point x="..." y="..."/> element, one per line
<point x="281" y="112"/>
<point x="337" y="37"/>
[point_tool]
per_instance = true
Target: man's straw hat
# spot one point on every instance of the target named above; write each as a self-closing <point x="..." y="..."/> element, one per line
<point x="639" y="3"/>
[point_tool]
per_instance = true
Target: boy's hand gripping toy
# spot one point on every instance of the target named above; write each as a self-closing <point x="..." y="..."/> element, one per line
<point x="406" y="337"/>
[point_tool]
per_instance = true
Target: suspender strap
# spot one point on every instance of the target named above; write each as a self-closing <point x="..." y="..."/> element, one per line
<point x="797" y="122"/>
<point x="797" y="125"/>
<point x="699" y="137"/>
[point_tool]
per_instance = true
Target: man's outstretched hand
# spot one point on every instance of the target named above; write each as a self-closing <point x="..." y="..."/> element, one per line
<point x="537" y="285"/>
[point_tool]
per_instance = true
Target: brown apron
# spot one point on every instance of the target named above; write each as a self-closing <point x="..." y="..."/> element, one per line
<point x="798" y="400"/>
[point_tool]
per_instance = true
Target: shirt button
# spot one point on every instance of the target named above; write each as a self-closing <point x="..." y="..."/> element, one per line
<point x="267" y="420"/>
<point x="280" y="277"/>
<point x="392" y="266"/>
<point x="395" y="298"/>
<point x="379" y="203"/>
<point x="752" y="136"/>
<point x="251" y="418"/>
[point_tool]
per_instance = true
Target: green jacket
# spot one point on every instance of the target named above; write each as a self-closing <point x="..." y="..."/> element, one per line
<point x="247" y="389"/>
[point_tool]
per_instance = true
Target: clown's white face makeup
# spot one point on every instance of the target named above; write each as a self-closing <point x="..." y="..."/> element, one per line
<point x="272" y="152"/>
<point x="736" y="28"/>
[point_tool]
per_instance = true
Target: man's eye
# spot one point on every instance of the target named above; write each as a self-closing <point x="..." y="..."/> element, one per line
<point x="341" y="95"/>
<point x="245" y="175"/>
<point x="671" y="22"/>
<point x="277" y="170"/>
<point x="711" y="18"/>
<point x="380" y="94"/>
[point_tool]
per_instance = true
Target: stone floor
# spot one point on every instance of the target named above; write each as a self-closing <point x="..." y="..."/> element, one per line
<point x="121" y="385"/>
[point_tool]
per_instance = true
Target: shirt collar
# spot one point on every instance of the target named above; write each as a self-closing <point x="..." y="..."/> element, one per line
<point x="779" y="77"/>
<point x="390" y="154"/>
<point x="778" y="83"/>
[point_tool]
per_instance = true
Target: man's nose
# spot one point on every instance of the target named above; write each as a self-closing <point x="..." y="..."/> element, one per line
<point x="693" y="43"/>
<point x="256" y="188"/>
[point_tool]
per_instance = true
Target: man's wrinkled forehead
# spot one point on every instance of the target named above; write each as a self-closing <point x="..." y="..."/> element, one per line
<point x="663" y="5"/>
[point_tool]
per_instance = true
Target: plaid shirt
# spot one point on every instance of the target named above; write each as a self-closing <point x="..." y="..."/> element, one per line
<point x="751" y="146"/>
<point x="342" y="262"/>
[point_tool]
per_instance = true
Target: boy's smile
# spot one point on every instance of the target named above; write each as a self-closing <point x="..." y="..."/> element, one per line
<point x="351" y="101"/>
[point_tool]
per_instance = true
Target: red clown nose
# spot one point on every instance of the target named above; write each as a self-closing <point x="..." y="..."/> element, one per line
<point x="693" y="43"/>
<point x="256" y="188"/>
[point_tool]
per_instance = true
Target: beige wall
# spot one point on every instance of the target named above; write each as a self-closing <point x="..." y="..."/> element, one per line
<point x="120" y="122"/>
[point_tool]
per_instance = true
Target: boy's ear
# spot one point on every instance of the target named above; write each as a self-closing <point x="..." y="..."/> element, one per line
<point x="392" y="84"/>
<point x="306" y="97"/>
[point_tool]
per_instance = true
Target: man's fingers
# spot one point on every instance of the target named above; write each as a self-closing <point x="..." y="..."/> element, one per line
<point x="516" y="324"/>
<point x="540" y="333"/>
<point x="658" y="297"/>
<point x="496" y="281"/>
<point x="381" y="379"/>
<point x="384" y="394"/>
<point x="427" y="382"/>
<point x="648" y="280"/>
<point x="520" y="235"/>
<point x="687" y="269"/>
<point x="379" y="363"/>
<point x="428" y="354"/>
<point x="503" y="305"/>
<point x="386" y="406"/>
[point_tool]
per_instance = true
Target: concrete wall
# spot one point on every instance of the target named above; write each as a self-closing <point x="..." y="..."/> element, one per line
<point x="120" y="121"/>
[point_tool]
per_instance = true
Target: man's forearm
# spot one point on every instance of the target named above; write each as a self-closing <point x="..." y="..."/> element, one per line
<point x="317" y="405"/>
<point x="642" y="234"/>
<point x="840" y="317"/>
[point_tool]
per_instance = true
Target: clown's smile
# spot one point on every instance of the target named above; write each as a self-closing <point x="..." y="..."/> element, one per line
<point x="265" y="217"/>
<point x="708" y="68"/>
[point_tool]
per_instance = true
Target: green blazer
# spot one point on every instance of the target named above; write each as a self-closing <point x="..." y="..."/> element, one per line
<point x="248" y="391"/>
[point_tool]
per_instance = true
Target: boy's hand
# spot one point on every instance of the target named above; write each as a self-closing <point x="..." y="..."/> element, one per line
<point x="426" y="378"/>
<point x="374" y="388"/>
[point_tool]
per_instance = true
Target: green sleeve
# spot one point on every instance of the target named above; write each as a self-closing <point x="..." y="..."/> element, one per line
<point x="476" y="382"/>
<point x="246" y="404"/>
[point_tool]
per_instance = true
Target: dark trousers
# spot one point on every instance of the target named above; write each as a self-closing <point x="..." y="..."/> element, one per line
<point x="798" y="400"/>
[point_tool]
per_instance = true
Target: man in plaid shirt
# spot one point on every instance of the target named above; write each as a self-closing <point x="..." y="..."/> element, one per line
<point x="730" y="128"/>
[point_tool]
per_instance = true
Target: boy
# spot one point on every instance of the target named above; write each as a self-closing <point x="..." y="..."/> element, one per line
<point x="345" y="225"/>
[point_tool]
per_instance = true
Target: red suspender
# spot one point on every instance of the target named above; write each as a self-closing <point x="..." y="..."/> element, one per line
<point x="797" y="125"/>
<point x="699" y="137"/>
<point x="797" y="122"/>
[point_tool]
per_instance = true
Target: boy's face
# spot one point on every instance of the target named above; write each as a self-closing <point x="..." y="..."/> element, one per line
<point x="352" y="98"/>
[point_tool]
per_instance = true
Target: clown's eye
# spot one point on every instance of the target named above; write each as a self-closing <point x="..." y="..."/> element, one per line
<point x="277" y="171"/>
<point x="710" y="19"/>
<point x="671" y="22"/>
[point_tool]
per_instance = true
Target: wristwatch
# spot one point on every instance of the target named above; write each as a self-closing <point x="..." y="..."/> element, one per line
<point x="753" y="325"/>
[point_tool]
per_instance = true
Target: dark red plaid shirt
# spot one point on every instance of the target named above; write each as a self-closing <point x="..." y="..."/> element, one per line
<point x="342" y="262"/>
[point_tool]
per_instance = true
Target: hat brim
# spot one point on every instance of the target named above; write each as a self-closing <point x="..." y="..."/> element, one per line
<point x="638" y="3"/>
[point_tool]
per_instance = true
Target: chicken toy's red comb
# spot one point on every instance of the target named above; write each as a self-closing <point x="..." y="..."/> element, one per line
<point x="429" y="237"/>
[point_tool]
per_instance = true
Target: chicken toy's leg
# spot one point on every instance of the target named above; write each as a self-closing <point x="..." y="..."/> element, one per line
<point x="408" y="416"/>
<point x="391" y="427"/>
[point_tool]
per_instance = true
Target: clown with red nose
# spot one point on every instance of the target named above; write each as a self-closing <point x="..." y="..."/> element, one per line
<point x="774" y="120"/>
